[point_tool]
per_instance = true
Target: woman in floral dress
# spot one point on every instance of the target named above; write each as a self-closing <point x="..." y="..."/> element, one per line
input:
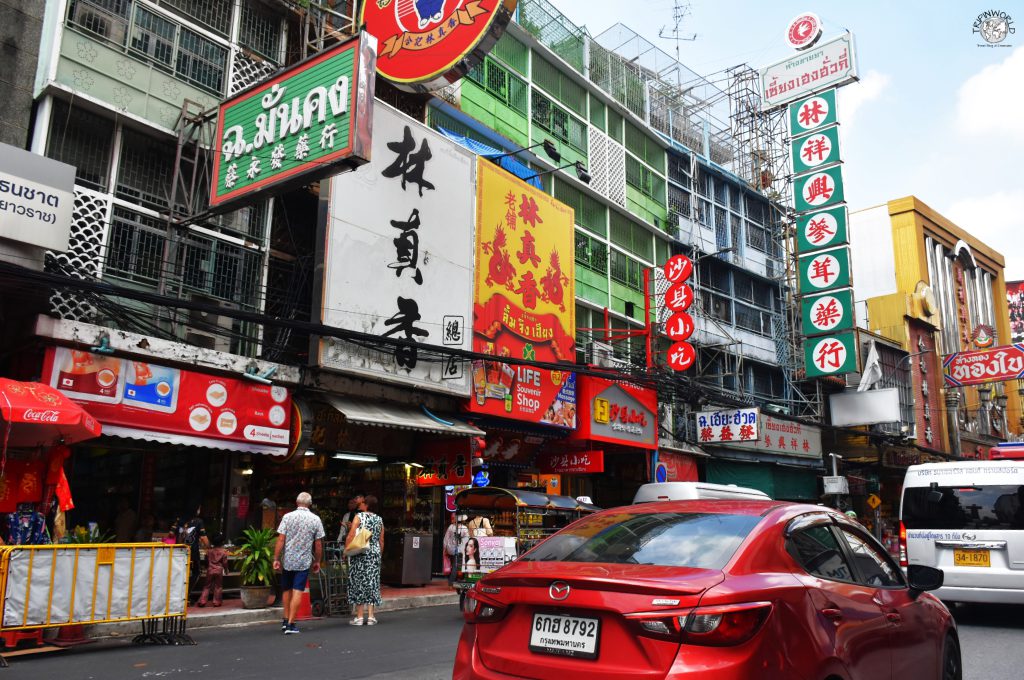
<point x="364" y="568"/>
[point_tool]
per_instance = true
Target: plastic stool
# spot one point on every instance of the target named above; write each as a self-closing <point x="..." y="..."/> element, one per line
<point x="12" y="638"/>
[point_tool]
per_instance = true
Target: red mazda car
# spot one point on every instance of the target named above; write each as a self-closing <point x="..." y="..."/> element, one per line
<point x="730" y="590"/>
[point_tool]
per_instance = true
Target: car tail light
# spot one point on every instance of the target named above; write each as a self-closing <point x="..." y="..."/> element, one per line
<point x="478" y="610"/>
<point x="726" y="625"/>
<point x="660" y="625"/>
<point x="903" y="545"/>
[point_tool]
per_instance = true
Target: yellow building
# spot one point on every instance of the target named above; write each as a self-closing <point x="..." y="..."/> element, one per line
<point x="931" y="286"/>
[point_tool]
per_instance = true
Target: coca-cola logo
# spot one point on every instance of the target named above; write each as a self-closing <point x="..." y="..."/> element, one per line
<point x="41" y="416"/>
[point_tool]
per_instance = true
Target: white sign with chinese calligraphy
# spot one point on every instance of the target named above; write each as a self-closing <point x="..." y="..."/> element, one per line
<point x="784" y="437"/>
<point x="829" y="64"/>
<point x="398" y="260"/>
<point x="727" y="426"/>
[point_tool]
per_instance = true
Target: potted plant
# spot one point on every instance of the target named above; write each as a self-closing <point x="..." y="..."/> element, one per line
<point x="257" y="568"/>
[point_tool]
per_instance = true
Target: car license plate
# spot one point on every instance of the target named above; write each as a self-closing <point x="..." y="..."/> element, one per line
<point x="575" y="636"/>
<point x="971" y="558"/>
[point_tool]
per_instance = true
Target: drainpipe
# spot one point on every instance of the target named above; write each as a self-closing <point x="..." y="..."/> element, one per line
<point x="953" y="421"/>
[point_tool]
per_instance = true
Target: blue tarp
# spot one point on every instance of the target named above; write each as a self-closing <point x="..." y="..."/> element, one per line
<point x="507" y="163"/>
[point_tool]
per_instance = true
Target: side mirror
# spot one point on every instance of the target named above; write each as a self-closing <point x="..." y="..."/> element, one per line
<point x="923" y="579"/>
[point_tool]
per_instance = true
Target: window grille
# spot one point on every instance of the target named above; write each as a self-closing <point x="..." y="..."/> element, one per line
<point x="678" y="202"/>
<point x="201" y="61"/>
<point x="105" y="19"/>
<point x="563" y="126"/>
<point x="219" y="269"/>
<point x="626" y="270"/>
<point x="679" y="169"/>
<point x="146" y="170"/>
<point x="598" y="113"/>
<point x="588" y="212"/>
<point x="82" y="139"/>
<point x="135" y="248"/>
<point x="213" y="14"/>
<point x="260" y="30"/>
<point x="153" y="37"/>
<point x="513" y="53"/>
<point x="615" y="122"/>
<point x="757" y="237"/>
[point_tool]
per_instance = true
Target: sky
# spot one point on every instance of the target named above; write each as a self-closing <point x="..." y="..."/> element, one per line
<point x="935" y="114"/>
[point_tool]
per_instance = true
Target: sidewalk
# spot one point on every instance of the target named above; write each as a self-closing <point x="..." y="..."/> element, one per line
<point x="231" y="613"/>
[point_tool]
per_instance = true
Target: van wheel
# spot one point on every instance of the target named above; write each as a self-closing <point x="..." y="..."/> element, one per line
<point x="951" y="666"/>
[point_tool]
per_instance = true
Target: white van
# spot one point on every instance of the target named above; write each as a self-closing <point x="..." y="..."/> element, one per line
<point x="967" y="519"/>
<point x="688" y="491"/>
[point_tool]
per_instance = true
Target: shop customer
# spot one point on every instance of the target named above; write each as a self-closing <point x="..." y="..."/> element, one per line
<point x="364" y="568"/>
<point x="479" y="527"/>
<point x="300" y="537"/>
<point x="452" y="542"/>
<point x="346" y="519"/>
<point x="216" y="567"/>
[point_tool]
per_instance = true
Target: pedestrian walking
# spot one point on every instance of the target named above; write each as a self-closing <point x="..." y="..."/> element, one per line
<point x="364" y="568"/>
<point x="193" y="534"/>
<point x="300" y="539"/>
<point x="452" y="543"/>
<point x="216" y="567"/>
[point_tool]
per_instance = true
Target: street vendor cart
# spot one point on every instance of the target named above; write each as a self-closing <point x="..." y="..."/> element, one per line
<point x="520" y="520"/>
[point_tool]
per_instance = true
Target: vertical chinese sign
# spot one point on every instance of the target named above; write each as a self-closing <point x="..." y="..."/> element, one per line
<point x="677" y="300"/>
<point x="823" y="246"/>
<point x="524" y="302"/>
<point x="398" y="260"/>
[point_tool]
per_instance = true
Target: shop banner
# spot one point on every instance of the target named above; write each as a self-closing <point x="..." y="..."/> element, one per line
<point x="824" y="271"/>
<point x="812" y="114"/>
<point x="827" y="313"/>
<point x="831" y="355"/>
<point x="158" y="399"/>
<point x="726" y="426"/>
<point x="571" y="463"/>
<point x="998" y="364"/>
<point x="22" y="482"/>
<point x="827" y="65"/>
<point x="822" y="229"/>
<point x="524" y="301"/>
<point x="444" y="463"/>
<point x="617" y="412"/>
<point x="484" y="554"/>
<point x="399" y="256"/>
<point x="784" y="437"/>
<point x="818" y="189"/>
<point x="678" y="467"/>
<point x="1015" y="303"/>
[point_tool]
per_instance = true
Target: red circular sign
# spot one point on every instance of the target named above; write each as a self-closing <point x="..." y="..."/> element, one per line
<point x="678" y="268"/>
<point x="427" y="44"/>
<point x="681" y="356"/>
<point x="803" y="31"/>
<point x="680" y="326"/>
<point x="679" y="297"/>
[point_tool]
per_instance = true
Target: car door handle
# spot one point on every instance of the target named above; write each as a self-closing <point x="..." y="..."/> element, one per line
<point x="832" y="614"/>
<point x="893" y="617"/>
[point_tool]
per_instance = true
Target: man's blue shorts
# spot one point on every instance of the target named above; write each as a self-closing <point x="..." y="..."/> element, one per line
<point x="294" y="580"/>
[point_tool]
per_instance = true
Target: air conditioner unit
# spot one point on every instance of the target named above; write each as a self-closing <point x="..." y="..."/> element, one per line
<point x="601" y="354"/>
<point x="210" y="330"/>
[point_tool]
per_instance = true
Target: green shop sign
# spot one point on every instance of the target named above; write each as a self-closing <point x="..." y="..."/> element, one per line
<point x="818" y="189"/>
<point x="827" y="313"/>
<point x="824" y="271"/>
<point x="298" y="126"/>
<point x="831" y="355"/>
<point x="816" y="150"/>
<point x="822" y="229"/>
<point x="812" y="113"/>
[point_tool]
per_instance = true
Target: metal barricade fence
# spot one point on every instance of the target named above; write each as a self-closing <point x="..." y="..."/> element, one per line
<point x="48" y="586"/>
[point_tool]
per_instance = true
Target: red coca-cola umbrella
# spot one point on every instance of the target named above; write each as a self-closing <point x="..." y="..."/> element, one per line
<point x="33" y="414"/>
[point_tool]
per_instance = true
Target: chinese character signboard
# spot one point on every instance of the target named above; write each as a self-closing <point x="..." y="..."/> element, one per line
<point x="617" y="413"/>
<point x="398" y="260"/>
<point x="818" y="189"/>
<point x="827" y="313"/>
<point x="818" y="149"/>
<point x="298" y="126"/>
<point x="137" y="399"/>
<point x="444" y="463"/>
<point x="427" y="44"/>
<point x="827" y="270"/>
<point x="829" y="64"/>
<point x="783" y="437"/>
<point x="678" y="298"/>
<point x="727" y="426"/>
<point x="831" y="355"/>
<point x="570" y="462"/>
<point x="813" y="113"/>
<point x="998" y="364"/>
<point x="822" y="229"/>
<point x="524" y="300"/>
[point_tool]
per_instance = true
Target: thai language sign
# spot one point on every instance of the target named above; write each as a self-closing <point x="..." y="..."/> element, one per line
<point x="145" y="400"/>
<point x="830" y="64"/>
<point x="524" y="300"/>
<point x="784" y="437"/>
<point x="298" y="125"/>
<point x="984" y="366"/>
<point x="398" y="259"/>
<point x="37" y="199"/>
<point x="425" y="44"/>
<point x="726" y="426"/>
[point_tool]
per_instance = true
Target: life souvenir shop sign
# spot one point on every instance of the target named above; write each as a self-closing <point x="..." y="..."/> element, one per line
<point x="298" y="126"/>
<point x="524" y="301"/>
<point x="427" y="44"/>
<point x="142" y="400"/>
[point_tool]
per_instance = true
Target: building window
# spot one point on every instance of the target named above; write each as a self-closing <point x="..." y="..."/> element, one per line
<point x="135" y="249"/>
<point x="560" y="123"/>
<point x="644" y="180"/>
<point x="214" y="14"/>
<point x="146" y="170"/>
<point x="757" y="237"/>
<point x="627" y="271"/>
<point x="84" y="140"/>
<point x="591" y="253"/>
<point x="200" y="61"/>
<point x="260" y="30"/>
<point x="501" y="84"/>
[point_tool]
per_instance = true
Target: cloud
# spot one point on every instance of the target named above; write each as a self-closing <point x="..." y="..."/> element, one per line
<point x="852" y="98"/>
<point x="990" y="102"/>
<point x="998" y="220"/>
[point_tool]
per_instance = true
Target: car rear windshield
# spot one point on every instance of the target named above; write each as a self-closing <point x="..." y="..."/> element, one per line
<point x="699" y="540"/>
<point x="964" y="507"/>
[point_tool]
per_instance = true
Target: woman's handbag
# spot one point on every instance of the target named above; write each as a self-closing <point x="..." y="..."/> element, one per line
<point x="360" y="542"/>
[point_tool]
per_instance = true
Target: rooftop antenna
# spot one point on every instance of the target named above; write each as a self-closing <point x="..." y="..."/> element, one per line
<point x="680" y="11"/>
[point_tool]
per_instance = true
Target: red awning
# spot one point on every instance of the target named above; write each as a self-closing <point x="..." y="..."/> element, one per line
<point x="33" y="414"/>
